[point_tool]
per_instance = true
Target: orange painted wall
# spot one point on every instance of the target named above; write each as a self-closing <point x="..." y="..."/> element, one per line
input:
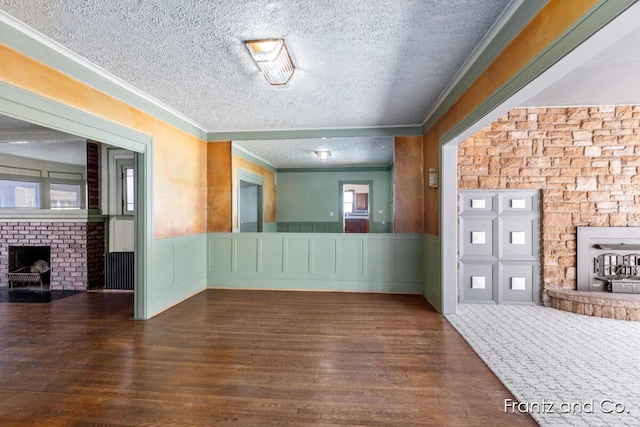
<point x="408" y="185"/>
<point x="219" y="188"/>
<point x="556" y="17"/>
<point x="179" y="159"/>
<point x="268" y="189"/>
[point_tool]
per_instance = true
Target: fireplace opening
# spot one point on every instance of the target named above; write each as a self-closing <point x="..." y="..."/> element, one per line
<point x="609" y="259"/>
<point x="29" y="265"/>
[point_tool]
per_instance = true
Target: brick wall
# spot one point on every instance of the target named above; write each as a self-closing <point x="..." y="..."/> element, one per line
<point x="96" y="230"/>
<point x="68" y="242"/>
<point x="585" y="161"/>
<point x="93" y="175"/>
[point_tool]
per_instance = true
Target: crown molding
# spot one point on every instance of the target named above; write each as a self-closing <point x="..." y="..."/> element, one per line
<point x="515" y="17"/>
<point x="36" y="45"/>
<point x="401" y="130"/>
<point x="380" y="168"/>
<point x="253" y="158"/>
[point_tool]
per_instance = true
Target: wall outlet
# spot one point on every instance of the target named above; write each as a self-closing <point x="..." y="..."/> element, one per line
<point x="330" y="213"/>
<point x="380" y="211"/>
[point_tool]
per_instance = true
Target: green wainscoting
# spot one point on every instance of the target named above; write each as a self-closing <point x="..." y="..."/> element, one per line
<point x="432" y="271"/>
<point x="327" y="227"/>
<point x="316" y="261"/>
<point x="179" y="270"/>
<point x="308" y="227"/>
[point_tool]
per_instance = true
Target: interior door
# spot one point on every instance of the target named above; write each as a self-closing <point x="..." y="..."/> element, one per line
<point x="499" y="246"/>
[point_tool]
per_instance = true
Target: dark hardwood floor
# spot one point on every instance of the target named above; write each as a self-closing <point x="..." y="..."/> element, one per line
<point x="243" y="358"/>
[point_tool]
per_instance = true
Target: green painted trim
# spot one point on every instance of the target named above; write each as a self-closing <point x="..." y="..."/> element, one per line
<point x="339" y="169"/>
<point x="410" y="130"/>
<point x="247" y="176"/>
<point x="251" y="158"/>
<point x="18" y="36"/>
<point x="527" y="10"/>
<point x="21" y="104"/>
<point x="593" y="21"/>
<point x="143" y="249"/>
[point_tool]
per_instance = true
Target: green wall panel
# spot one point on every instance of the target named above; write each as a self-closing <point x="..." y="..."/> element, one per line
<point x="350" y="256"/>
<point x="220" y="254"/>
<point x="271" y="254"/>
<point x="408" y="258"/>
<point x="324" y="256"/>
<point x="198" y="258"/>
<point x="179" y="268"/>
<point x="164" y="272"/>
<point x="379" y="256"/>
<point x="339" y="262"/>
<point x="432" y="271"/>
<point x="308" y="227"/>
<point x="297" y="255"/>
<point x="182" y="255"/>
<point x="246" y="254"/>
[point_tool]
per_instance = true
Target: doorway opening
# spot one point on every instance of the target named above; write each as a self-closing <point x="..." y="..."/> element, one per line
<point x="355" y="206"/>
<point x="250" y="202"/>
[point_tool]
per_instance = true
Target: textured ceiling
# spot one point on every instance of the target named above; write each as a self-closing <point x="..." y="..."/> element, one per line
<point x="359" y="62"/>
<point x="300" y="153"/>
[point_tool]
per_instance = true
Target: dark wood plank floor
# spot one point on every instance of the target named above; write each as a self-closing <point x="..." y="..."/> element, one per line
<point x="243" y="358"/>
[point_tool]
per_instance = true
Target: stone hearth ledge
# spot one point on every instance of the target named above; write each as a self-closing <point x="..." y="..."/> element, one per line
<point x="598" y="304"/>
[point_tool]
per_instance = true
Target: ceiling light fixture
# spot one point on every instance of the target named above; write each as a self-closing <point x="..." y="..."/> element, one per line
<point x="273" y="59"/>
<point x="323" y="154"/>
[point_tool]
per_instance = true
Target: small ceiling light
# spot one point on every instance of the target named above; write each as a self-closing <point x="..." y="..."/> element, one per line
<point x="323" y="155"/>
<point x="273" y="59"/>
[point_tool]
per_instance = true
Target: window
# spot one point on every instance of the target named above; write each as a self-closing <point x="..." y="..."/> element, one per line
<point x="128" y="185"/>
<point x="65" y="196"/>
<point x="19" y="194"/>
<point x="348" y="201"/>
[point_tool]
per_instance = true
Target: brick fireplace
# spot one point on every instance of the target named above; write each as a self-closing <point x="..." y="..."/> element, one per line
<point x="68" y="250"/>
<point x="75" y="248"/>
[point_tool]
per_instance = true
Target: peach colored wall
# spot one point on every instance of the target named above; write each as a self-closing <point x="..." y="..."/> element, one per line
<point x="219" y="188"/>
<point x="556" y="17"/>
<point x="408" y="185"/>
<point x="269" y="188"/>
<point x="179" y="159"/>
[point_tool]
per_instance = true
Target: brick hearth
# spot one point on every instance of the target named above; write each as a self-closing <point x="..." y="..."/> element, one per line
<point x="597" y="304"/>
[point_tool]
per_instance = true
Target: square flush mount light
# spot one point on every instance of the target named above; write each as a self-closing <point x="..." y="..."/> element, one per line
<point x="273" y="59"/>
